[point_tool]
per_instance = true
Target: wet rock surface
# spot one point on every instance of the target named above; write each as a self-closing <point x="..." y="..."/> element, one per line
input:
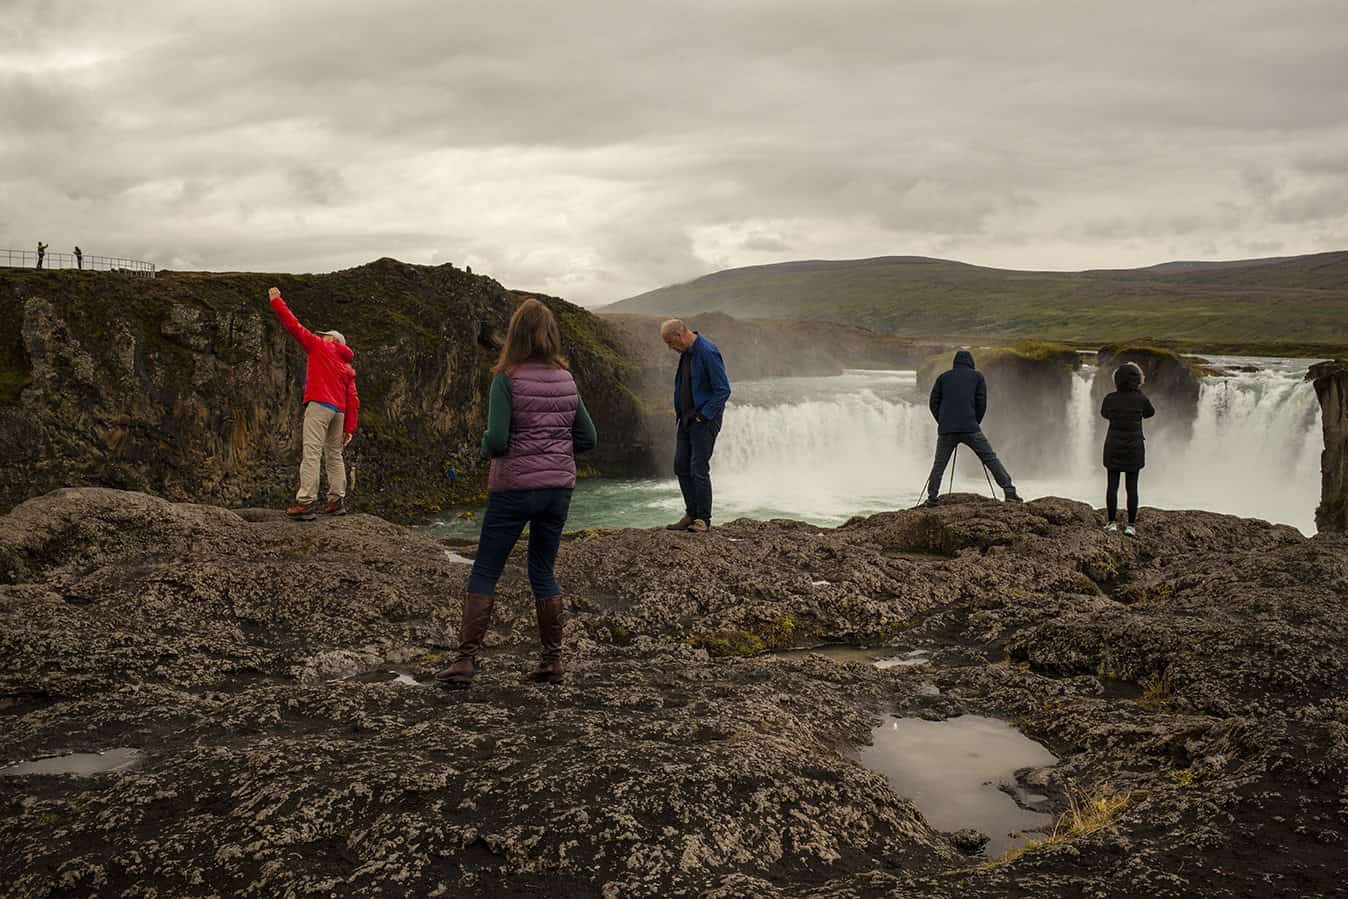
<point x="1196" y="672"/>
<point x="1331" y="388"/>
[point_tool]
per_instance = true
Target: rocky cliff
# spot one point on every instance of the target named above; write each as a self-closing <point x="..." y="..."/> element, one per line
<point x="269" y="684"/>
<point x="1331" y="386"/>
<point x="1029" y="391"/>
<point x="186" y="386"/>
<point x="1171" y="385"/>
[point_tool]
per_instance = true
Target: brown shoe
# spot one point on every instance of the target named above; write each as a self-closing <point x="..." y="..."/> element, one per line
<point x="335" y="507"/>
<point x="681" y="524"/>
<point x="476" y="618"/>
<point x="302" y="511"/>
<point x="699" y="526"/>
<point x="549" y="670"/>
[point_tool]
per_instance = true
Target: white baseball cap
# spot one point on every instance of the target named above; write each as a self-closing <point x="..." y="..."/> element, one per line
<point x="335" y="335"/>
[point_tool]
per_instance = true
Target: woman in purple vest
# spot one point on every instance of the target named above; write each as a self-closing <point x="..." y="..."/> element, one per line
<point x="536" y="423"/>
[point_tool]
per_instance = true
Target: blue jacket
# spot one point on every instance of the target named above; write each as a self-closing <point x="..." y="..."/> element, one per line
<point x="959" y="398"/>
<point x="711" y="385"/>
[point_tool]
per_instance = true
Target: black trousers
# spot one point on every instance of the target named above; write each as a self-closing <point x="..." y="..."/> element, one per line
<point x="508" y="511"/>
<point x="692" y="465"/>
<point x="1112" y="495"/>
<point x="979" y="443"/>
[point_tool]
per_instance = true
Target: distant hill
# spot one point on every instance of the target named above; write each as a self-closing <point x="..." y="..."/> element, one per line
<point x="1292" y="301"/>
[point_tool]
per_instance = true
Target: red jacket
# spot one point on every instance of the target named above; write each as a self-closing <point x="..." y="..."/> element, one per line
<point x="329" y="377"/>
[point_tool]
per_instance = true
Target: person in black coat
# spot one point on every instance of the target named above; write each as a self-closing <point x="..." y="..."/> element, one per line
<point x="959" y="399"/>
<point x="1125" y="446"/>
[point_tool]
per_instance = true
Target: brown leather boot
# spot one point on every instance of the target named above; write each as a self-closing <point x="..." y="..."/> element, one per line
<point x="476" y="619"/>
<point x="681" y="524"/>
<point x="549" y="670"/>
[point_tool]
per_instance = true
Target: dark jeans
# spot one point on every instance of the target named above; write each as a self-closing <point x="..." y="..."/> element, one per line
<point x="976" y="441"/>
<point x="508" y="511"/>
<point x="1112" y="495"/>
<point x="692" y="465"/>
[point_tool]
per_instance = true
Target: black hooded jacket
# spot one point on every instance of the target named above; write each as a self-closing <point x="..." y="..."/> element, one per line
<point x="959" y="398"/>
<point x="1125" y="446"/>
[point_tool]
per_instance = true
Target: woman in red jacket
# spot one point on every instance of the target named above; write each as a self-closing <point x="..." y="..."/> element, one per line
<point x="331" y="409"/>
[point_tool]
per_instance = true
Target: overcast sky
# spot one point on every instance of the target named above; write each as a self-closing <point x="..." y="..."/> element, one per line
<point x="599" y="149"/>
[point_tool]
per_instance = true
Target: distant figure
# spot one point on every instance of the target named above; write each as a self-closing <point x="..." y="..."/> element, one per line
<point x="79" y="259"/>
<point x="331" y="410"/>
<point x="41" y="253"/>
<point x="701" y="389"/>
<point x="536" y="423"/>
<point x="959" y="400"/>
<point x="1125" y="446"/>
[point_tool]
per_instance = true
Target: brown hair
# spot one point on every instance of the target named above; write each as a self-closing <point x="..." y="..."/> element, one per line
<point x="533" y="336"/>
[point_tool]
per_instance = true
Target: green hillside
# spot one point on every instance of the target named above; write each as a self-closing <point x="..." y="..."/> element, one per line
<point x="1289" y="303"/>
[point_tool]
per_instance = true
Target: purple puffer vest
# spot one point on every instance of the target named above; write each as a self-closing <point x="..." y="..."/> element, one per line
<point x="543" y="402"/>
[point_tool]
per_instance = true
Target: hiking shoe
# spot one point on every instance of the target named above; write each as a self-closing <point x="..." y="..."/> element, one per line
<point x="1112" y="527"/>
<point x="699" y="526"/>
<point x="1130" y="531"/>
<point x="335" y="507"/>
<point x="680" y="525"/>
<point x="1013" y="497"/>
<point x="302" y="511"/>
<point x="932" y="503"/>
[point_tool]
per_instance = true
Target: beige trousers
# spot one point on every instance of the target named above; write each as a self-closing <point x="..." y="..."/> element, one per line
<point x="322" y="442"/>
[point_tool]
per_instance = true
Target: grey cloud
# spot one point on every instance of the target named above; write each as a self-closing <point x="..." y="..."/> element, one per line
<point x="596" y="149"/>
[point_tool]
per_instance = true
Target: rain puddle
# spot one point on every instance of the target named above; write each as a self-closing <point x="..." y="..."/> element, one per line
<point x="880" y="657"/>
<point x="385" y="676"/>
<point x="78" y="763"/>
<point x="960" y="773"/>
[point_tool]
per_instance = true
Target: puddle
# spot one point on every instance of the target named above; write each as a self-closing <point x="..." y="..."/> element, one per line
<point x="78" y="763"/>
<point x="385" y="676"/>
<point x="880" y="656"/>
<point x="457" y="557"/>
<point x="960" y="773"/>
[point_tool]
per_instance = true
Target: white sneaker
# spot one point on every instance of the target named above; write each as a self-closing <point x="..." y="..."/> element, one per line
<point x="1130" y="531"/>
<point x="1112" y="527"/>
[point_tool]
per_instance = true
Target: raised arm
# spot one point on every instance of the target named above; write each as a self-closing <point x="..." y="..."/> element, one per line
<point x="1147" y="409"/>
<point x="307" y="338"/>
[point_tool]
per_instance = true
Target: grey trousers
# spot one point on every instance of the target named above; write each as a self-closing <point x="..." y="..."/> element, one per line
<point x="976" y="441"/>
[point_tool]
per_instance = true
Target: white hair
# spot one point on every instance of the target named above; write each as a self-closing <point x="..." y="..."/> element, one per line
<point x="673" y="326"/>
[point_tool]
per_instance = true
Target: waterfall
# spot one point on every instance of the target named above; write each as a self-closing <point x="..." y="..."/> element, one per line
<point x="828" y="448"/>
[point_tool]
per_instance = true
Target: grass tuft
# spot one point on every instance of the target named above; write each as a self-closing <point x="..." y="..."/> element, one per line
<point x="1085" y="815"/>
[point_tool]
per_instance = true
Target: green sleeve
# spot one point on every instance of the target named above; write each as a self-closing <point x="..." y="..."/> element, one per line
<point x="496" y="440"/>
<point x="583" y="435"/>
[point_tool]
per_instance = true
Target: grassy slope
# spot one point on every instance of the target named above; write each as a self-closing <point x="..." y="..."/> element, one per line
<point x="1300" y="302"/>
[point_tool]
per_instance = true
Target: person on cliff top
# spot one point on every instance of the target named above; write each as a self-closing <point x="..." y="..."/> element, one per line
<point x="41" y="253"/>
<point x="701" y="388"/>
<point x="959" y="400"/>
<point x="331" y="412"/>
<point x="1125" y="445"/>
<point x="536" y="423"/>
<point x="79" y="259"/>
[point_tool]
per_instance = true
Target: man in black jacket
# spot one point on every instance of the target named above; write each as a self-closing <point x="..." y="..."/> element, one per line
<point x="959" y="399"/>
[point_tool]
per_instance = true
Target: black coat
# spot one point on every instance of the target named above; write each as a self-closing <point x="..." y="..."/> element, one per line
<point x="959" y="398"/>
<point x="1125" y="446"/>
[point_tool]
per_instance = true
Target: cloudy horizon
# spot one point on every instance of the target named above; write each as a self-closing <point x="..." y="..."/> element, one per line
<point x="601" y="149"/>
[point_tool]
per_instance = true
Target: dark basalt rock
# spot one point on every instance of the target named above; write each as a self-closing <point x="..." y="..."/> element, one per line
<point x="218" y="644"/>
<point x="1331" y="386"/>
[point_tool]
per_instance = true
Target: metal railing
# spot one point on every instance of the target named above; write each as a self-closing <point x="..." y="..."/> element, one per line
<point x="28" y="259"/>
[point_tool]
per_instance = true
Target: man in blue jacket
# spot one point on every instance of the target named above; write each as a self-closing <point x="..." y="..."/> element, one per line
<point x="701" y="389"/>
<point x="959" y="399"/>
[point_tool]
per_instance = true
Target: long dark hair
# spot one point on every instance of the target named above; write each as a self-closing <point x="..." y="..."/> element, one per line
<point x="533" y="336"/>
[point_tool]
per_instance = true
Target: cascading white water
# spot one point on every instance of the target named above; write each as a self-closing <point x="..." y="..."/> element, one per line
<point x="825" y="449"/>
